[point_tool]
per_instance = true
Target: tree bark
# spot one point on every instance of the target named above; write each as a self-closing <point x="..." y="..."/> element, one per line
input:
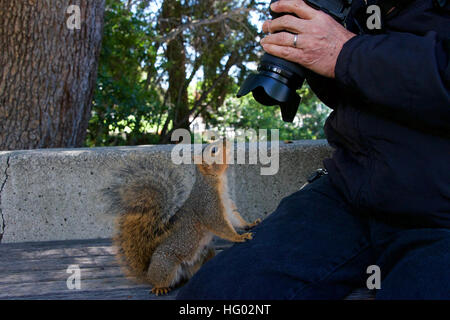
<point x="171" y="16"/>
<point x="47" y="72"/>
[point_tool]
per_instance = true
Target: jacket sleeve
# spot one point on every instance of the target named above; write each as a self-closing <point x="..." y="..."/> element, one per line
<point x="402" y="75"/>
<point x="325" y="89"/>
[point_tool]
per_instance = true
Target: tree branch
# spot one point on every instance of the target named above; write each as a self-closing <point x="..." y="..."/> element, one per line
<point x="196" y="23"/>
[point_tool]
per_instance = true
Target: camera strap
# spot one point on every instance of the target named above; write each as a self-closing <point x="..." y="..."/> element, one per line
<point x="392" y="6"/>
<point x="387" y="5"/>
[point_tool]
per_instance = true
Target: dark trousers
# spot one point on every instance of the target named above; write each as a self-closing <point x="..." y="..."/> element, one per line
<point x="314" y="246"/>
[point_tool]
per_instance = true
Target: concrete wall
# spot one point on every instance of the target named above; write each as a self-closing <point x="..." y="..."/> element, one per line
<point x="56" y="194"/>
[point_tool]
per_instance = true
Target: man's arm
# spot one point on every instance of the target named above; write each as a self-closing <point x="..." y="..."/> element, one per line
<point x="403" y="74"/>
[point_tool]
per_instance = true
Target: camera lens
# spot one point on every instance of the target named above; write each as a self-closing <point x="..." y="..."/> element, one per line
<point x="276" y="83"/>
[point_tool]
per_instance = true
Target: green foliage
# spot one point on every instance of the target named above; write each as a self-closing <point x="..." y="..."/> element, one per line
<point x="124" y="105"/>
<point x="246" y="113"/>
<point x="157" y="52"/>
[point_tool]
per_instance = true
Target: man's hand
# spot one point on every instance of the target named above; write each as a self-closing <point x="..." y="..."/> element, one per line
<point x="320" y="37"/>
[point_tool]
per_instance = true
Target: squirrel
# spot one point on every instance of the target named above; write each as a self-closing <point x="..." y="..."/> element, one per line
<point x="163" y="245"/>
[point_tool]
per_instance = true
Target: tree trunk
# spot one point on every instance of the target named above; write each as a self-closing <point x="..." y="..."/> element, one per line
<point x="171" y="16"/>
<point x="47" y="72"/>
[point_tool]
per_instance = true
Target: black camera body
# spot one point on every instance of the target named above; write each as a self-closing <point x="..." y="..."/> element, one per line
<point x="277" y="79"/>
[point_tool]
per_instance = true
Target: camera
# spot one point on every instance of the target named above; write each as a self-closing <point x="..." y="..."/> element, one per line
<point x="277" y="79"/>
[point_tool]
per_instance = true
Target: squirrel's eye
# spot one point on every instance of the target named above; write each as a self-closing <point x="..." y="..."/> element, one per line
<point x="214" y="150"/>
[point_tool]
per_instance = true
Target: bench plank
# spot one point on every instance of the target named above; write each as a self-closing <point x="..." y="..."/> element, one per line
<point x="47" y="253"/>
<point x="59" y="286"/>
<point x="104" y="294"/>
<point x="38" y="270"/>
<point x="56" y="264"/>
<point x="57" y="275"/>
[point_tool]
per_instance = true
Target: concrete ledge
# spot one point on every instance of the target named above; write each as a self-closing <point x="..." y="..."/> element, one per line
<point x="56" y="194"/>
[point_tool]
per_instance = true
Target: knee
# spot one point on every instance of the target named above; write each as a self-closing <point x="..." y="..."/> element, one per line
<point x="216" y="280"/>
<point x="420" y="274"/>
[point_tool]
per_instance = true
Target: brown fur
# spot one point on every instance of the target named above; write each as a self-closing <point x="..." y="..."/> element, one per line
<point x="166" y="252"/>
<point x="135" y="251"/>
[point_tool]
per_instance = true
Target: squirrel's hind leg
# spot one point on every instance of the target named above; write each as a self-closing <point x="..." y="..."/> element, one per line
<point x="163" y="273"/>
<point x="190" y="270"/>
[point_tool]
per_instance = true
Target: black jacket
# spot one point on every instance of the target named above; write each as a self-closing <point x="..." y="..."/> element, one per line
<point x="390" y="124"/>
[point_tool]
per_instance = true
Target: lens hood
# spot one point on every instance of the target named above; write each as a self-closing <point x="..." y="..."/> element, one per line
<point x="270" y="92"/>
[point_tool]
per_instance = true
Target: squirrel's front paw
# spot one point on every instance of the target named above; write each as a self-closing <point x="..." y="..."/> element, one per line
<point x="246" y="236"/>
<point x="160" y="291"/>
<point x="254" y="224"/>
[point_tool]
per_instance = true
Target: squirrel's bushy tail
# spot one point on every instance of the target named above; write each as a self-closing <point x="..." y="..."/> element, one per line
<point x="145" y="197"/>
<point x="134" y="252"/>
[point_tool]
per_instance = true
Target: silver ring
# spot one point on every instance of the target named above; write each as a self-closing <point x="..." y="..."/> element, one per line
<point x="295" y="40"/>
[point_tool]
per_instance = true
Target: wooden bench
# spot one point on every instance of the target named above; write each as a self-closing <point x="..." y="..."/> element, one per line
<point x="38" y="270"/>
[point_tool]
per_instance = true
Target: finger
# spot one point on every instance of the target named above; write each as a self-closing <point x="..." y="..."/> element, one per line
<point x="281" y="39"/>
<point x="298" y="7"/>
<point x="287" y="53"/>
<point x="285" y="23"/>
